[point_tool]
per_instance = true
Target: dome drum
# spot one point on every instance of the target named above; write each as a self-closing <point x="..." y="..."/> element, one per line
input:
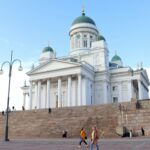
<point x="83" y="29"/>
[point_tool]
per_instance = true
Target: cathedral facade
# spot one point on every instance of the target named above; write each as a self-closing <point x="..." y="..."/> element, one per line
<point x="85" y="76"/>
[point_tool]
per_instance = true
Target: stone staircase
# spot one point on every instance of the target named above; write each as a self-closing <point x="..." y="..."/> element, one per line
<point x="135" y="118"/>
<point x="42" y="124"/>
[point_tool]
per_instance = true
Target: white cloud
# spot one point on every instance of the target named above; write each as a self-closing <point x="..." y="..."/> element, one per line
<point x="17" y="81"/>
<point x="16" y="95"/>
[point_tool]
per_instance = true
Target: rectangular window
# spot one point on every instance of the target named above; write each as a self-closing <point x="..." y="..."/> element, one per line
<point x="85" y="43"/>
<point x="114" y="88"/>
<point x="115" y="99"/>
<point x="85" y="36"/>
<point x="90" y="43"/>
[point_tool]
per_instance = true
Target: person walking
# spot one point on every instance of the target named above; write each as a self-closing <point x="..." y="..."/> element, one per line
<point x="83" y="137"/>
<point x="94" y="138"/>
<point x="130" y="134"/>
<point x="143" y="132"/>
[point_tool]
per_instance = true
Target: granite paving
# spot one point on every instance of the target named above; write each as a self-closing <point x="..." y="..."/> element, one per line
<point x="72" y="144"/>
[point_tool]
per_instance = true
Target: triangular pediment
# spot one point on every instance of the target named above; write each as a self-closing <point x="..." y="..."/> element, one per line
<point x="53" y="65"/>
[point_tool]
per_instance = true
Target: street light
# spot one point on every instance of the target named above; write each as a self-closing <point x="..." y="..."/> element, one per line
<point x="10" y="63"/>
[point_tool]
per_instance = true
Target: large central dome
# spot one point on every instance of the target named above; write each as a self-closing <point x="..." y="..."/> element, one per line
<point x="83" y="19"/>
<point x="83" y="32"/>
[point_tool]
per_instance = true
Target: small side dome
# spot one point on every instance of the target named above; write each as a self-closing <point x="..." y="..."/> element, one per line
<point x="100" y="37"/>
<point x="47" y="49"/>
<point x="116" y="58"/>
<point x="47" y="54"/>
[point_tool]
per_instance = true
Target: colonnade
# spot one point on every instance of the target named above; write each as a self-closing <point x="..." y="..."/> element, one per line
<point x="36" y="87"/>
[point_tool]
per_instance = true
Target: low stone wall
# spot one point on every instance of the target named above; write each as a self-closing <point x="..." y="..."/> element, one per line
<point x="41" y="124"/>
<point x="134" y="116"/>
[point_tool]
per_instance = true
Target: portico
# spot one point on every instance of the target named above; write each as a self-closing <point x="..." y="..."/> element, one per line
<point x="65" y="89"/>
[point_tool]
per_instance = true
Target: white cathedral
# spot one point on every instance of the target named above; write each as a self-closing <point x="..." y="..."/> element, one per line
<point x="85" y="76"/>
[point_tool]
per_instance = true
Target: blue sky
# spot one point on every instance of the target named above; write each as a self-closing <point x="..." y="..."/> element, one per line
<point x="26" y="26"/>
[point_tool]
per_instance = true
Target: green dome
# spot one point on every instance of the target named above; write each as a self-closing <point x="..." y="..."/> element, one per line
<point x="100" y="37"/>
<point x="47" y="49"/>
<point x="116" y="58"/>
<point x="83" y="19"/>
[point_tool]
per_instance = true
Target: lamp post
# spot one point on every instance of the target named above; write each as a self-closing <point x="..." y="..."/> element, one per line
<point x="10" y="63"/>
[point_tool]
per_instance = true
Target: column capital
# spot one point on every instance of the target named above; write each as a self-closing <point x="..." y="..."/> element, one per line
<point x="69" y="76"/>
<point x="59" y="77"/>
<point x="80" y="74"/>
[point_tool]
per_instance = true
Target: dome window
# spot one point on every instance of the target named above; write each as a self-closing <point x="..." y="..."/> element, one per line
<point x="84" y="43"/>
<point x="78" y="36"/>
<point x="85" y="36"/>
<point x="90" y="44"/>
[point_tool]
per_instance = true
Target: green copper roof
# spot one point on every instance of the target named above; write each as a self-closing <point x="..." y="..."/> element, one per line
<point x="83" y="19"/>
<point x="47" y="49"/>
<point x="116" y="58"/>
<point x="100" y="37"/>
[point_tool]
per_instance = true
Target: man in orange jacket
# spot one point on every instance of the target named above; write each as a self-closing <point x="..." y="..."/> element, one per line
<point x="83" y="137"/>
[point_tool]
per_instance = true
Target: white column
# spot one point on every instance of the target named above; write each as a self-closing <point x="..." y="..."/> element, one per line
<point x="105" y="92"/>
<point x="69" y="91"/>
<point x="71" y="43"/>
<point x="109" y="94"/>
<point x="48" y="93"/>
<point x="39" y="94"/>
<point x="81" y="40"/>
<point x="79" y="90"/>
<point x="130" y="89"/>
<point x="36" y="95"/>
<point x="84" y="92"/>
<point x="24" y="100"/>
<point x="88" y="41"/>
<point x="140" y="89"/>
<point x="30" y="95"/>
<point x="120" y="92"/>
<point x="59" y="92"/>
<point x="74" y="96"/>
<point x="44" y="97"/>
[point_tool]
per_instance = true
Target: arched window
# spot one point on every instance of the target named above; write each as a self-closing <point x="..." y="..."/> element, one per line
<point x="72" y="42"/>
<point x="78" y="41"/>
<point x="85" y="40"/>
<point x="91" y="39"/>
<point x="84" y="43"/>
